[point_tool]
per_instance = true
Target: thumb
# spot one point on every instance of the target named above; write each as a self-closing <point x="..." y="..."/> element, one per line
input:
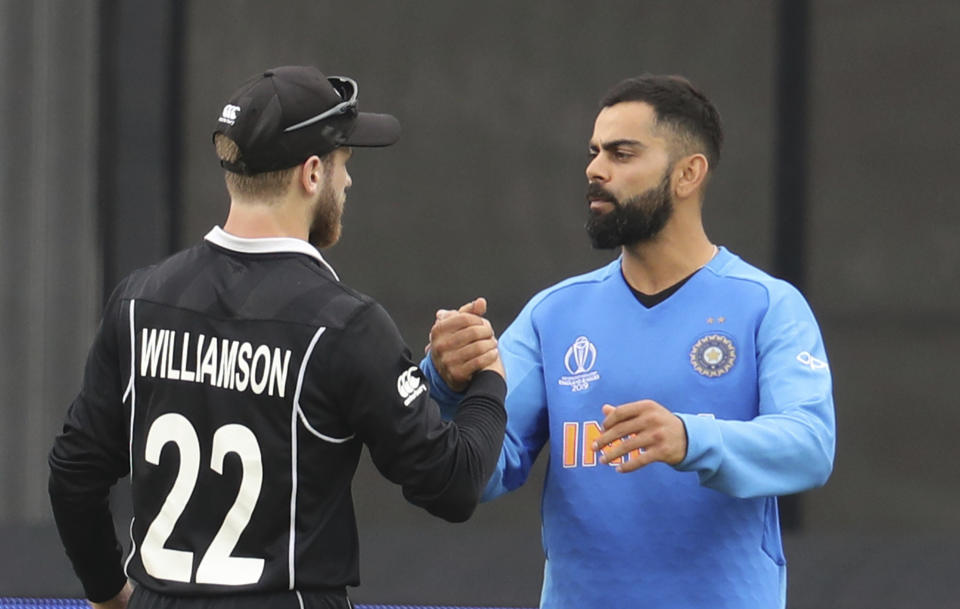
<point x="478" y="306"/>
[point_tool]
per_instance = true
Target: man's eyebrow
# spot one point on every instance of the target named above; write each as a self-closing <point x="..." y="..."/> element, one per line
<point x="611" y="145"/>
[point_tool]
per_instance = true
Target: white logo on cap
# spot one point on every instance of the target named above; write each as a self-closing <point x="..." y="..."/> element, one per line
<point x="229" y="114"/>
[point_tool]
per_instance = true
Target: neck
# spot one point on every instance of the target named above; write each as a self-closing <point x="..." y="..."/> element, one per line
<point x="260" y="219"/>
<point x="674" y="254"/>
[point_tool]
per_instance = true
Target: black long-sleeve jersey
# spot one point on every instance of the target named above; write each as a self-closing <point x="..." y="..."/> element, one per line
<point x="236" y="382"/>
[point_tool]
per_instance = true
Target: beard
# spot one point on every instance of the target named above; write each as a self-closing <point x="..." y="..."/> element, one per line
<point x="636" y="220"/>
<point x="326" y="226"/>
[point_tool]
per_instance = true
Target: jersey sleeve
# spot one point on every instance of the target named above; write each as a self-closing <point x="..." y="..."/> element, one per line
<point x="789" y="446"/>
<point x="88" y="457"/>
<point x="527" y="425"/>
<point x="442" y="466"/>
<point x="447" y="399"/>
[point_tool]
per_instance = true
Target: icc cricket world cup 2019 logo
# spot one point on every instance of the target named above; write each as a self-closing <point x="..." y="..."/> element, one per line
<point x="582" y="353"/>
<point x="579" y="361"/>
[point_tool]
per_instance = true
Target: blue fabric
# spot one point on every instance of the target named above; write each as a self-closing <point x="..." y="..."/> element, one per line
<point x="738" y="356"/>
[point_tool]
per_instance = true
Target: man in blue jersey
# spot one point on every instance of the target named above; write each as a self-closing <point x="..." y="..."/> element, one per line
<point x="680" y="389"/>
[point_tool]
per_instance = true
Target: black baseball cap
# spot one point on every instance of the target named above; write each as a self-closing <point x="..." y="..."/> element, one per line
<point x="281" y="117"/>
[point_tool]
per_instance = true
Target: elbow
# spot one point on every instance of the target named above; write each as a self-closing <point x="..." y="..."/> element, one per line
<point x="458" y="503"/>
<point x="454" y="513"/>
<point x="455" y="504"/>
<point x="822" y="469"/>
<point x="820" y="461"/>
<point x="816" y="469"/>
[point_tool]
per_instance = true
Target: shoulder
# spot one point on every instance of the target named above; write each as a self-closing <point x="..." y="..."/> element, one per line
<point x="773" y="294"/>
<point x="287" y="287"/>
<point x="574" y="287"/>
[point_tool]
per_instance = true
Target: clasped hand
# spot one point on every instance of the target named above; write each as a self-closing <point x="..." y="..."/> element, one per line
<point x="462" y="343"/>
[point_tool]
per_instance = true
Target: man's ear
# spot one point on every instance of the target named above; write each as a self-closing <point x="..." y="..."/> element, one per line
<point x="311" y="174"/>
<point x="690" y="173"/>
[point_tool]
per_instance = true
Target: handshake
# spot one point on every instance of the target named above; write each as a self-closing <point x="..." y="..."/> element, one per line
<point x="462" y="343"/>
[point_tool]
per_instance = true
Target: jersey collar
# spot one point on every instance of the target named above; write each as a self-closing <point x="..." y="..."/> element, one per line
<point x="266" y="245"/>
<point x="720" y="260"/>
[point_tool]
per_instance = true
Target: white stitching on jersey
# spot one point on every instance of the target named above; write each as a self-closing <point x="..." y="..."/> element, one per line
<point x="131" y="390"/>
<point x="320" y="435"/>
<point x="293" y="456"/>
<point x="133" y="549"/>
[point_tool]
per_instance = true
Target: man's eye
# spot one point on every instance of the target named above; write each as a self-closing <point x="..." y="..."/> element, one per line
<point x="622" y="155"/>
<point x="591" y="154"/>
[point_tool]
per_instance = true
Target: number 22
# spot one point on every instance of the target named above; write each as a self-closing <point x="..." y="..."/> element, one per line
<point x="217" y="565"/>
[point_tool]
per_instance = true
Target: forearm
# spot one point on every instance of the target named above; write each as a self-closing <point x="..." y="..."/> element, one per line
<point x="478" y="432"/>
<point x="119" y="601"/>
<point x="776" y="454"/>
<point x="85" y="524"/>
<point x="445" y="397"/>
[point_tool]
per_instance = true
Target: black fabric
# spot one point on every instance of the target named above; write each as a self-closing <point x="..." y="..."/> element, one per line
<point x="222" y="417"/>
<point x="652" y="300"/>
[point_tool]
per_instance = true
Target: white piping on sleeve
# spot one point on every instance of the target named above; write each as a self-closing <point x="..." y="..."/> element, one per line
<point x="133" y="550"/>
<point x="293" y="458"/>
<point x="132" y="392"/>
<point x="133" y="355"/>
<point x="323" y="437"/>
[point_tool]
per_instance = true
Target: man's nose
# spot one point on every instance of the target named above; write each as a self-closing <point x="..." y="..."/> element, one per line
<point x="597" y="170"/>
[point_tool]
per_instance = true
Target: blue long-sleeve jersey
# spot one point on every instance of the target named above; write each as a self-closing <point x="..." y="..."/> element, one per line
<point x="738" y="356"/>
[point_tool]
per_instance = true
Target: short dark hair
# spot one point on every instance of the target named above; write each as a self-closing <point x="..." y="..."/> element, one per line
<point x="263" y="185"/>
<point x="679" y="106"/>
<point x="259" y="185"/>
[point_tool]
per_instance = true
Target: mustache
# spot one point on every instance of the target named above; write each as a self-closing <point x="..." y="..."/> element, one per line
<point x="595" y="192"/>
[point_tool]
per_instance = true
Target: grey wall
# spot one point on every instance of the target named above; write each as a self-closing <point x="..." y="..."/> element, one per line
<point x="885" y="258"/>
<point x="49" y="268"/>
<point x="484" y="196"/>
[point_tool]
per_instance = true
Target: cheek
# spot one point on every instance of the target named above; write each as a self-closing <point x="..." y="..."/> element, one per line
<point x="644" y="176"/>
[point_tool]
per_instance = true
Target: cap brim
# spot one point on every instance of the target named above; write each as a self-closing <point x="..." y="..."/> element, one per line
<point x="372" y="130"/>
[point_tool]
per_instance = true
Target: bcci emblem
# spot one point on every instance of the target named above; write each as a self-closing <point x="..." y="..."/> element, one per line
<point x="579" y="361"/>
<point x="713" y="355"/>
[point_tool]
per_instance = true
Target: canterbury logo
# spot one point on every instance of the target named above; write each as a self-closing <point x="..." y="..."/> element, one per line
<point x="229" y="114"/>
<point x="409" y="386"/>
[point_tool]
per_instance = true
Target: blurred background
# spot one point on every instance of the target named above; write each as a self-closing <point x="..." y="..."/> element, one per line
<point x="841" y="143"/>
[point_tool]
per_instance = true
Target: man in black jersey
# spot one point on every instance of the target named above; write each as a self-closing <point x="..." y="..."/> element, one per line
<point x="237" y="381"/>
